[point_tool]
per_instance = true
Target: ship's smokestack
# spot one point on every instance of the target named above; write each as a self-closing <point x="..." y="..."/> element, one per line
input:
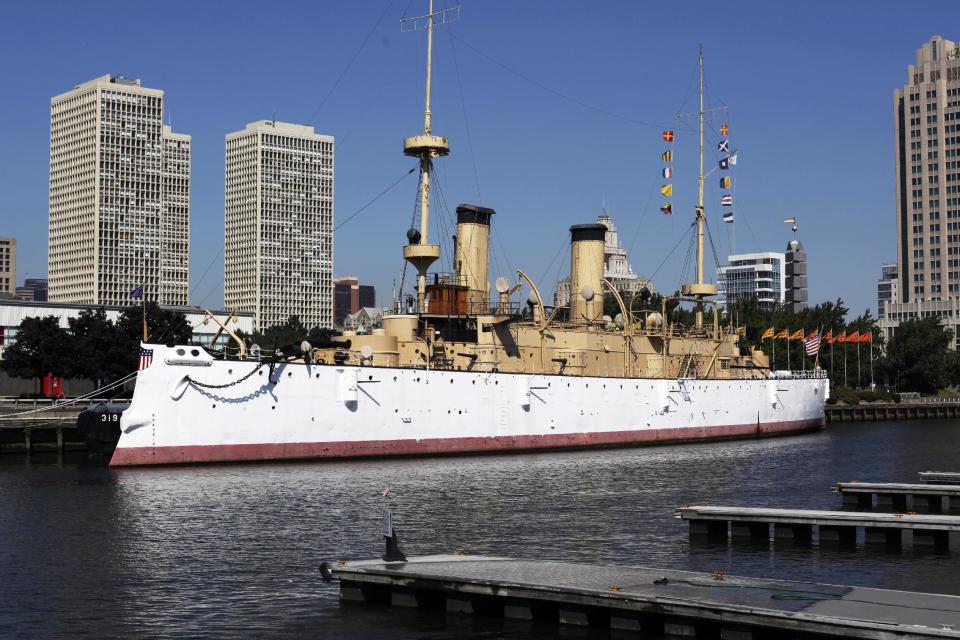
<point x="472" y="255"/>
<point x="586" y="272"/>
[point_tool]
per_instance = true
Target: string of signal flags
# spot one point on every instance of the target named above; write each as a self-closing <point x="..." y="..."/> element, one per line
<point x="814" y="339"/>
<point x="723" y="146"/>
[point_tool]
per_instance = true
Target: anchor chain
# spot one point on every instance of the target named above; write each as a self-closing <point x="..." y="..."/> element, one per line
<point x="228" y="384"/>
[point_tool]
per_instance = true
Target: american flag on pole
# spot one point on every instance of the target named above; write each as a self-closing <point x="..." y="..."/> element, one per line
<point x="146" y="358"/>
<point x="813" y="344"/>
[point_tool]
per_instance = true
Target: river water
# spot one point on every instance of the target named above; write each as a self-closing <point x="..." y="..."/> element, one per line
<point x="228" y="551"/>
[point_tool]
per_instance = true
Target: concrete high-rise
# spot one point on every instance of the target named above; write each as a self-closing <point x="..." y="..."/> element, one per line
<point x="926" y="117"/>
<point x="119" y="208"/>
<point x="278" y="202"/>
<point x="8" y="266"/>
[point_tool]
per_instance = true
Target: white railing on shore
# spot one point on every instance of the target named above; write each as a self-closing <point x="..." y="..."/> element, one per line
<point x="53" y="402"/>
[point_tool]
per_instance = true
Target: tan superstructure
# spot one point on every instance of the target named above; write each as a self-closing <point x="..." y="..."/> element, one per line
<point x="458" y="327"/>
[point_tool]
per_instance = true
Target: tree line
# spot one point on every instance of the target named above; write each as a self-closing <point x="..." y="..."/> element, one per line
<point x="92" y="346"/>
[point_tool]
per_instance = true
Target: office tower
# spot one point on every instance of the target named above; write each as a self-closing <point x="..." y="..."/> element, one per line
<point x="886" y="288"/>
<point x="349" y="296"/>
<point x="278" y="202"/>
<point x="119" y="196"/>
<point x="926" y="116"/>
<point x="760" y="276"/>
<point x="8" y="266"/>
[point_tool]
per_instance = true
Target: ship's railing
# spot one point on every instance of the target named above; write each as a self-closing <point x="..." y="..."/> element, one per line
<point x="809" y="374"/>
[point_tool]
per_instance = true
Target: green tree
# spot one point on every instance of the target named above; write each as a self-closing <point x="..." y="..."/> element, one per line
<point x="163" y="326"/>
<point x="41" y="347"/>
<point x="102" y="353"/>
<point x="917" y="356"/>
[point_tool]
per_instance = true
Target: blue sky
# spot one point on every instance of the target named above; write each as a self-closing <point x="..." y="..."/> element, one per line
<point x="808" y="86"/>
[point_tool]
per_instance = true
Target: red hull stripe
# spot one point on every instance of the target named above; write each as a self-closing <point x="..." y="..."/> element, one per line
<point x="126" y="456"/>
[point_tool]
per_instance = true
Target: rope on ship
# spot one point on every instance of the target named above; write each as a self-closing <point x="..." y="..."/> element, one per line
<point x="67" y="403"/>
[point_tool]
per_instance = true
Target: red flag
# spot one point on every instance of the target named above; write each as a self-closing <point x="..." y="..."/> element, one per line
<point x="841" y="337"/>
<point x="668" y="136"/>
<point x="866" y="337"/>
<point x="853" y="337"/>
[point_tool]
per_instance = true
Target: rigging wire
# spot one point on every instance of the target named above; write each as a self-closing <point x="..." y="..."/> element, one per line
<point x="377" y="197"/>
<point x="466" y="121"/>
<point x="555" y="92"/>
<point x="687" y="262"/>
<point x="670" y="253"/>
<point x="356" y="54"/>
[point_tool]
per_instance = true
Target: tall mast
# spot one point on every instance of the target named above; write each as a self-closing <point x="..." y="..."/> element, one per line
<point x="700" y="289"/>
<point x="426" y="146"/>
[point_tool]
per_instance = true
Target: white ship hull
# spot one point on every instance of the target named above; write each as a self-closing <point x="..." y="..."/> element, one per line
<point x="325" y="411"/>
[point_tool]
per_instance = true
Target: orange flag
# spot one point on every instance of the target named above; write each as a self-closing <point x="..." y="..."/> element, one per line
<point x="866" y="337"/>
<point x="853" y="337"/>
<point x="828" y="338"/>
<point x="782" y="335"/>
<point x="797" y="335"/>
<point x="841" y="337"/>
<point x="813" y="334"/>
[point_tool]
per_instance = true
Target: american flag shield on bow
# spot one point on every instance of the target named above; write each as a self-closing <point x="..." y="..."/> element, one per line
<point x="146" y="358"/>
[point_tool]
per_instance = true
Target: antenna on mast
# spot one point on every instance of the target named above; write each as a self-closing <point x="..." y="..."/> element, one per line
<point x="425" y="146"/>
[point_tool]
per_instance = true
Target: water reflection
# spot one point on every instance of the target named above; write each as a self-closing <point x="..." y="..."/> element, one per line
<point x="232" y="550"/>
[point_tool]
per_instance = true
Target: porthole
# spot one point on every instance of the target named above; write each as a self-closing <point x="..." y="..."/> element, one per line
<point x="460" y="412"/>
<point x="451" y="380"/>
<point x="229" y="371"/>
<point x="274" y="407"/>
<point x="260" y="372"/>
<point x="394" y="378"/>
<point x="181" y="352"/>
<point x="194" y="352"/>
<point x="318" y="376"/>
<point x="289" y="373"/>
<point x="213" y="406"/>
<point x="369" y="377"/>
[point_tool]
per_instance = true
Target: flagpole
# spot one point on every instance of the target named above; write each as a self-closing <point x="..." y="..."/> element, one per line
<point x="831" y="357"/>
<point x="816" y="358"/>
<point x="143" y="300"/>
<point x="873" y="384"/>
<point x="788" y="349"/>
<point x="844" y="360"/>
<point x="859" y="379"/>
<point x="774" y="341"/>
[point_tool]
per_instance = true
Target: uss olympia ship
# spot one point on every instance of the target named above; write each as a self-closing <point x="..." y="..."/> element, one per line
<point x="471" y="372"/>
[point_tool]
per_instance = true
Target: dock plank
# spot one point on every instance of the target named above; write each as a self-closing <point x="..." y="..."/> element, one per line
<point x="731" y="602"/>
<point x="940" y="477"/>
<point x="898" y="488"/>
<point x="818" y="517"/>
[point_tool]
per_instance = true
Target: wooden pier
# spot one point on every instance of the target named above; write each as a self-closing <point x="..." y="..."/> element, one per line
<point x="891" y="411"/>
<point x="799" y="525"/>
<point x="43" y="425"/>
<point x="654" y="601"/>
<point x="900" y="498"/>
<point x="940" y="477"/>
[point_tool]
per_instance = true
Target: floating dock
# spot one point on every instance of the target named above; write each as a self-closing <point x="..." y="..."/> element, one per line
<point x="799" y="525"/>
<point x="671" y="603"/>
<point x="940" y="477"/>
<point x="901" y="498"/>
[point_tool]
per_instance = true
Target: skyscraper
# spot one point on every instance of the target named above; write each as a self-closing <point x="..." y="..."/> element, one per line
<point x="8" y="266"/>
<point x="926" y="122"/>
<point x="926" y="115"/>
<point x="119" y="204"/>
<point x="278" y="201"/>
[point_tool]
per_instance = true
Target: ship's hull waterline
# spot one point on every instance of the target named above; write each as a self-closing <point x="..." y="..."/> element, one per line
<point x="326" y="411"/>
